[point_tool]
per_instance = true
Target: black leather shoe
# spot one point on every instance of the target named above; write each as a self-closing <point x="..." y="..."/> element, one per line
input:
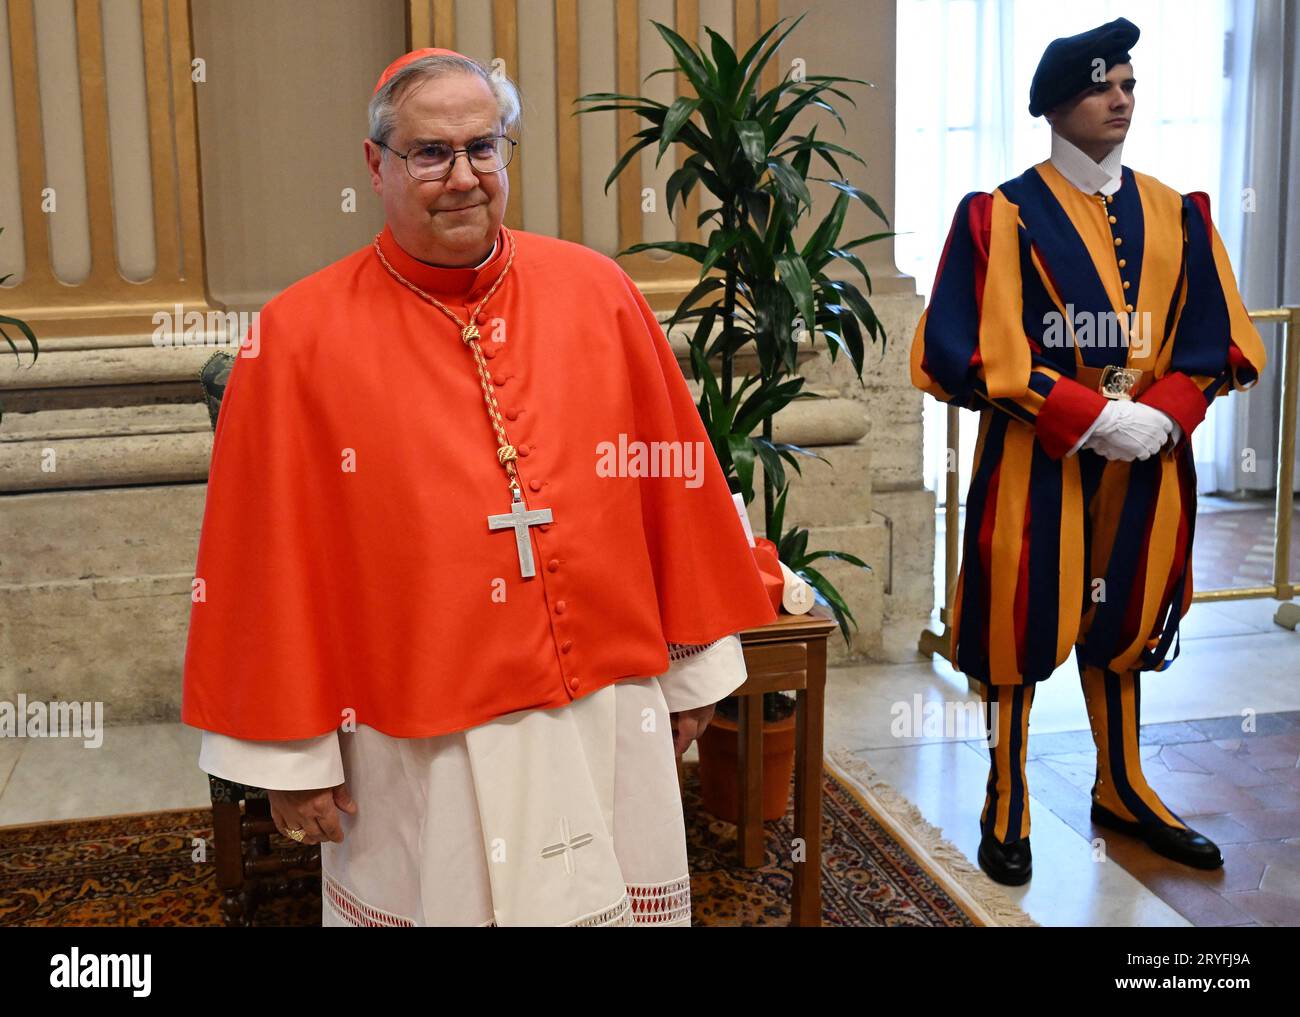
<point x="1009" y="864"/>
<point x="1182" y="845"/>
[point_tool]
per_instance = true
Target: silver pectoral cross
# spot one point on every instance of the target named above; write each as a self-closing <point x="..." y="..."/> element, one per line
<point x="519" y="519"/>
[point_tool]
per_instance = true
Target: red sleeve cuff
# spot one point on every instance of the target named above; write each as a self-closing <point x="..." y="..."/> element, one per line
<point x="1066" y="413"/>
<point x="1180" y="397"/>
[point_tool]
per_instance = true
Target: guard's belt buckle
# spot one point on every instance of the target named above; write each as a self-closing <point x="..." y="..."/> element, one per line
<point x="1118" y="382"/>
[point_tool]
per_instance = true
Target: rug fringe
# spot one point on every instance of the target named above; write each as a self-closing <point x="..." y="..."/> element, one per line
<point x="984" y="899"/>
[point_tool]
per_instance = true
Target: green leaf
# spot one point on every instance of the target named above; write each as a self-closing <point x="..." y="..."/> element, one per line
<point x="853" y="333"/>
<point x="737" y="337"/>
<point x="707" y="214"/>
<point x="695" y="252"/>
<point x="792" y="187"/>
<point x="702" y="287"/>
<point x="861" y="195"/>
<point x="742" y="455"/>
<point x="808" y="96"/>
<point x="688" y="60"/>
<point x="832" y="596"/>
<point x="649" y="113"/>
<point x="778" y="517"/>
<point x="753" y="73"/>
<point x="767" y="401"/>
<point x="836" y="77"/>
<point x="601" y="96"/>
<point x="25" y="329"/>
<point x="626" y="158"/>
<point x="858" y="303"/>
<point x="720" y="242"/>
<point x="823" y="104"/>
<point x="753" y="141"/>
<point x="801" y="161"/>
<point x="708" y="318"/>
<point x="843" y="255"/>
<point x="772" y="467"/>
<point x="725" y="58"/>
<point x="793" y="545"/>
<point x="826" y="232"/>
<point x="795" y="278"/>
<point x="712" y="181"/>
<point x="866" y="240"/>
<point x="757" y="204"/>
<point x="833" y="337"/>
<point x="717" y="405"/>
<point x="844" y="556"/>
<point x="823" y="149"/>
<point x="678" y="114"/>
<point x="680" y="184"/>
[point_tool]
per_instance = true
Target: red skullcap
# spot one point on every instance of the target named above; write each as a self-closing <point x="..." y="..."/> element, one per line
<point x="411" y="57"/>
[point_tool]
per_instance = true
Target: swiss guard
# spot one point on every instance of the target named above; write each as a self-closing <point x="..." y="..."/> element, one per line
<point x="1089" y="313"/>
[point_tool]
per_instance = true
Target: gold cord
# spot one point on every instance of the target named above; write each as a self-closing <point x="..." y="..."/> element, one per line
<point x="469" y="334"/>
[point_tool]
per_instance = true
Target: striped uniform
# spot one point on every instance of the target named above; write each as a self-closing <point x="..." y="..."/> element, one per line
<point x="1101" y="549"/>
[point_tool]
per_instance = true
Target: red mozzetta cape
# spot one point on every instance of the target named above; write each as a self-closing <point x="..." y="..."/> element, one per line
<point x="346" y="567"/>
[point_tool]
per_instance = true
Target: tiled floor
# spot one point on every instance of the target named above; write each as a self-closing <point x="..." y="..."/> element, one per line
<point x="1239" y="788"/>
<point x="1234" y="543"/>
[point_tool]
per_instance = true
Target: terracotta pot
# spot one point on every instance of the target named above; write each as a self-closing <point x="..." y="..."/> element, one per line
<point x="720" y="768"/>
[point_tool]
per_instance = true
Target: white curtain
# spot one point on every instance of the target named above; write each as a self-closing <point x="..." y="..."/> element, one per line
<point x="964" y="68"/>
<point x="1261" y="226"/>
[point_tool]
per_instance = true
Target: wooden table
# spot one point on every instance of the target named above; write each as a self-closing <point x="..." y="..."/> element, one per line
<point x="789" y="654"/>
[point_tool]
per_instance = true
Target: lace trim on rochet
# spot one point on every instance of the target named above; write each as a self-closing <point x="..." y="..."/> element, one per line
<point x="661" y="903"/>
<point x="350" y="908"/>
<point x="681" y="651"/>
<point x="667" y="903"/>
<point x="644" y="904"/>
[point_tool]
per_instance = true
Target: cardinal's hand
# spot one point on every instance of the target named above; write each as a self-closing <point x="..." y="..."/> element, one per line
<point x="315" y="812"/>
<point x="689" y="725"/>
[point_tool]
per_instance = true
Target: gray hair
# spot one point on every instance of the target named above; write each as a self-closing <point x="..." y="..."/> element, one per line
<point x="382" y="111"/>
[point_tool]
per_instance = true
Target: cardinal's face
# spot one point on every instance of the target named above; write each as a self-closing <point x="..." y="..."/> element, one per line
<point x="1098" y="118"/>
<point x="452" y="221"/>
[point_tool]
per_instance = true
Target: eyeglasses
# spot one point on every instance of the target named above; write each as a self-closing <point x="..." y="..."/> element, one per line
<point x="433" y="161"/>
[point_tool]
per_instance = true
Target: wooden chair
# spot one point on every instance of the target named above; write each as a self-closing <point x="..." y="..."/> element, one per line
<point x="253" y="860"/>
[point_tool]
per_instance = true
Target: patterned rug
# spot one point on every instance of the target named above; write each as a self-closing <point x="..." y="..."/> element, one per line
<point x="882" y="865"/>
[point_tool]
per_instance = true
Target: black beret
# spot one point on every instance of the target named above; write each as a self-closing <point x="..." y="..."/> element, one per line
<point x="1067" y="64"/>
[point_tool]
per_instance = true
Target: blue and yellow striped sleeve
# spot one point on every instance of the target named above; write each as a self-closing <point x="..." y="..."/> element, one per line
<point x="1215" y="345"/>
<point x="970" y="347"/>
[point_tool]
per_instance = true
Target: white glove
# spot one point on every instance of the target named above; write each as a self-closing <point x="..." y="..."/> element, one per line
<point x="1159" y="418"/>
<point x="1177" y="432"/>
<point x="1128" y="430"/>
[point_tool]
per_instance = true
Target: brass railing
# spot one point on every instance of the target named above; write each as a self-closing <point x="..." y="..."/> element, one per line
<point x="1282" y="588"/>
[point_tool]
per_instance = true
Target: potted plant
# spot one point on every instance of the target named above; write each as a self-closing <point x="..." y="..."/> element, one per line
<point x="22" y="327"/>
<point x="757" y="286"/>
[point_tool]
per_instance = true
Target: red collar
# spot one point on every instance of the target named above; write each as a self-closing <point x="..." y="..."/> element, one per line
<point x="460" y="283"/>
